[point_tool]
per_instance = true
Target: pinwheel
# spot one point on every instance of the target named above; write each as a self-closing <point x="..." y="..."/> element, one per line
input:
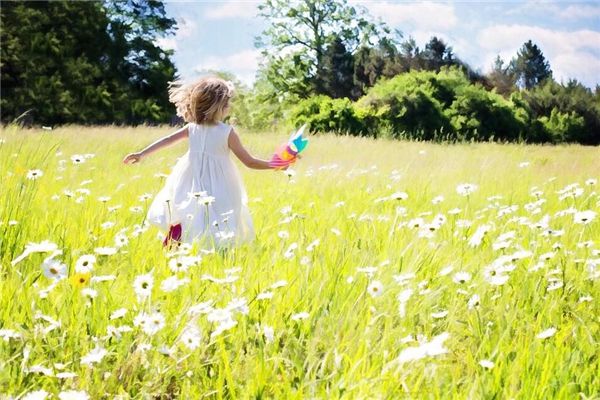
<point x="287" y="153"/>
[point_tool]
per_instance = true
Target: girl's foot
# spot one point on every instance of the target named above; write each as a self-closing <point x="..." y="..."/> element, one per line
<point x="174" y="235"/>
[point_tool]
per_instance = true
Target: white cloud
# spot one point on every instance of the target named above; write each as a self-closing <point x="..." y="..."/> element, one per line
<point x="185" y="28"/>
<point x="579" y="11"/>
<point x="233" y="9"/>
<point x="242" y="64"/>
<point x="570" y="53"/>
<point x="424" y="15"/>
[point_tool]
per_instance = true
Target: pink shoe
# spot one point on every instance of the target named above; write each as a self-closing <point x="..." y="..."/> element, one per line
<point x="173" y="235"/>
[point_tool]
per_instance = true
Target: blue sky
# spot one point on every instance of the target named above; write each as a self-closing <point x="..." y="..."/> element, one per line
<point x="220" y="34"/>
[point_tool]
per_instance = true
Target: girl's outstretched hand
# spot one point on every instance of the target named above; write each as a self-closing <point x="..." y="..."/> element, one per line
<point x="132" y="158"/>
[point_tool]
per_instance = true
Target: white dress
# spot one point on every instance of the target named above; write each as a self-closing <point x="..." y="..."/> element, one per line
<point x="206" y="171"/>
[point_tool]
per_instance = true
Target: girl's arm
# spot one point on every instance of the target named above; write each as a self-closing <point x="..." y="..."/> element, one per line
<point x="240" y="151"/>
<point x="159" y="144"/>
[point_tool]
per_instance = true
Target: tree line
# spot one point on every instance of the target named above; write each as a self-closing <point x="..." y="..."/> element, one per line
<point x="325" y="62"/>
<point x="331" y="65"/>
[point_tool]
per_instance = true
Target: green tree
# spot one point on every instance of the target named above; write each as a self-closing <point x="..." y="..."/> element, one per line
<point x="86" y="62"/>
<point x="501" y="77"/>
<point x="338" y="70"/>
<point x="530" y="67"/>
<point x="299" y="34"/>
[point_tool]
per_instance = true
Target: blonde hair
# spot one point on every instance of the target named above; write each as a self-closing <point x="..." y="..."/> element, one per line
<point x="201" y="101"/>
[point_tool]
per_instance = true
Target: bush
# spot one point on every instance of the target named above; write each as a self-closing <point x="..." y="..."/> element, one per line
<point x="482" y="115"/>
<point x="322" y="113"/>
<point x="563" y="127"/>
<point x="408" y="105"/>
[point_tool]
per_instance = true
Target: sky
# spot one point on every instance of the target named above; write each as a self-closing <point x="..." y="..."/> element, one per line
<point x="220" y="35"/>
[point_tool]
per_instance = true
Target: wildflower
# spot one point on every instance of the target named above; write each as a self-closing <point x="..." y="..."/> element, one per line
<point x="461" y="277"/>
<point x="190" y="337"/>
<point x="85" y="263"/>
<point x="299" y="316"/>
<point x="591" y="182"/>
<point x="433" y="348"/>
<point x="239" y="304"/>
<point x="121" y="240"/>
<point x="473" y="302"/>
<point x="465" y="189"/>
<point x="375" y="289"/>
<point x="120" y="313"/>
<point x="54" y="269"/>
<point x="584" y="217"/>
<point x="439" y="315"/>
<point x="268" y="333"/>
<point x="437" y="199"/>
<point x="223" y="326"/>
<point x="91" y="293"/>
<point x="37" y="395"/>
<point x="77" y="159"/>
<point x="8" y="334"/>
<point x="487" y="364"/>
<point x="34" y="174"/>
<point x="73" y="395"/>
<point x="264" y="296"/>
<point x="94" y="356"/>
<point x="478" y="236"/>
<point x="398" y="196"/>
<point x="279" y="284"/>
<point x="80" y="279"/>
<point x="105" y="251"/>
<point x="546" y="333"/>
<point x="172" y="283"/>
<point x="42" y="247"/>
<point x="143" y="286"/>
<point x="150" y="323"/>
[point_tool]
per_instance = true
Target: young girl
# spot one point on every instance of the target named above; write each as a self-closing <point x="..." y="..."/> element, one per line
<point x="204" y="196"/>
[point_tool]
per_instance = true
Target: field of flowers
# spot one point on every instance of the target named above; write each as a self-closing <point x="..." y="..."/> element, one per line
<point x="380" y="270"/>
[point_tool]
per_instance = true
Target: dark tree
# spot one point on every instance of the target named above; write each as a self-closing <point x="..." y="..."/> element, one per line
<point x="530" y="66"/>
<point x="338" y="70"/>
<point x="85" y="62"/>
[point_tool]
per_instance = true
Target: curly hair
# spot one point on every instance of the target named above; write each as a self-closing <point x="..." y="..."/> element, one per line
<point x="201" y="101"/>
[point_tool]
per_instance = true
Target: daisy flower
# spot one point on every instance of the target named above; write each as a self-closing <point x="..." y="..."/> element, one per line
<point x="34" y="174"/>
<point x="143" y="286"/>
<point x="375" y="289"/>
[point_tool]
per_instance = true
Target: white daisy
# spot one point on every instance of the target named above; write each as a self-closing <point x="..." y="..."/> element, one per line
<point x="34" y="174"/>
<point x="465" y="189"/>
<point x="546" y="333"/>
<point x="94" y="356"/>
<point x="143" y="285"/>
<point x="375" y="289"/>
<point x="85" y="263"/>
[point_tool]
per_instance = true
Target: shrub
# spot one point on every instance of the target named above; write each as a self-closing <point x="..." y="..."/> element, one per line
<point x="322" y="113"/>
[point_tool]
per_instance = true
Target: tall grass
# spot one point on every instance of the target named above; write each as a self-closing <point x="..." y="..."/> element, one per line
<point x="376" y="288"/>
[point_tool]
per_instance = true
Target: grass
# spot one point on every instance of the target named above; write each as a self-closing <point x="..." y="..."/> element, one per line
<point x="352" y="341"/>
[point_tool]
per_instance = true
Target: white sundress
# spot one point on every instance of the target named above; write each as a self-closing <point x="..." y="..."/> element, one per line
<point x="206" y="171"/>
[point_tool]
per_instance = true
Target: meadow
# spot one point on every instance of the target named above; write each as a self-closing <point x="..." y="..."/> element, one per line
<point x="381" y="270"/>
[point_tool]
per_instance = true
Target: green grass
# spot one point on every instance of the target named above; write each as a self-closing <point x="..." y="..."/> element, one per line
<point x="350" y="343"/>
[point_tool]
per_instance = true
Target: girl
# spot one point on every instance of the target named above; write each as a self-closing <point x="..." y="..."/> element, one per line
<point x="204" y="196"/>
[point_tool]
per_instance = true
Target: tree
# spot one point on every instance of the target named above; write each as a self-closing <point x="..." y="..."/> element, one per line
<point x="338" y="70"/>
<point x="437" y="54"/>
<point x="501" y="77"/>
<point x="301" y="31"/>
<point x="530" y="66"/>
<point x="86" y="62"/>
